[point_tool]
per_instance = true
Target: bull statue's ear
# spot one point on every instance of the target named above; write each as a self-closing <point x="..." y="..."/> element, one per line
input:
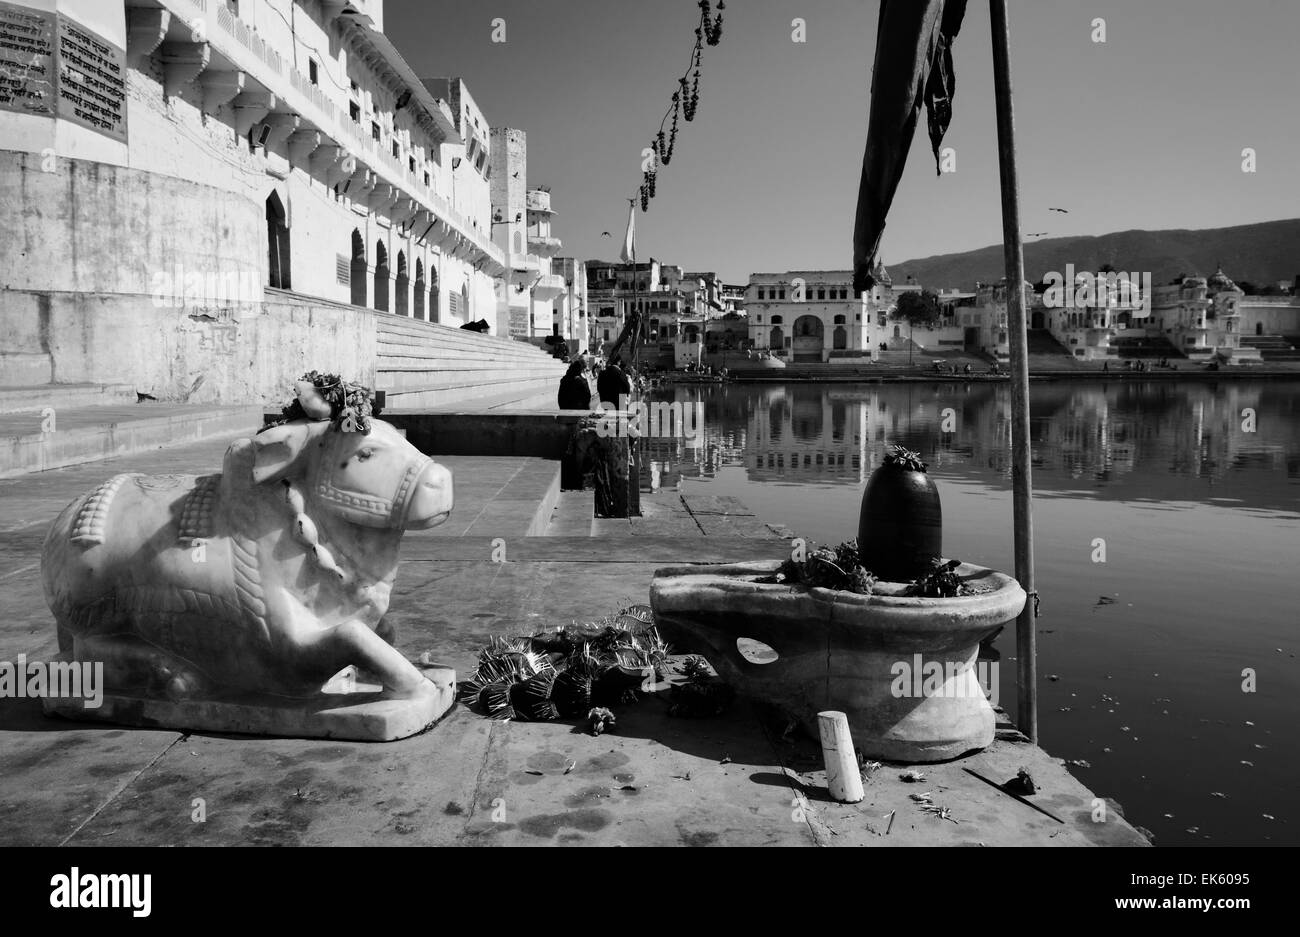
<point x="276" y="449"/>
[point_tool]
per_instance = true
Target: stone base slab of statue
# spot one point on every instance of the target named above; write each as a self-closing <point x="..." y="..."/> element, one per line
<point x="347" y="708"/>
<point x="902" y="668"/>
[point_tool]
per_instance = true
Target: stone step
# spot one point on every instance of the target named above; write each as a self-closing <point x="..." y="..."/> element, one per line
<point x="401" y="378"/>
<point x="396" y="328"/>
<point x="573" y="516"/>
<point x="29" y="443"/>
<point x="470" y="394"/>
<point x="60" y="396"/>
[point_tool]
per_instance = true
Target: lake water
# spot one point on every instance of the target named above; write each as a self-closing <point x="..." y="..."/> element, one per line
<point x="1142" y="656"/>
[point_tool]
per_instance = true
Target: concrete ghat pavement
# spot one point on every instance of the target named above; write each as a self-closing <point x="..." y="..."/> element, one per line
<point x="731" y="780"/>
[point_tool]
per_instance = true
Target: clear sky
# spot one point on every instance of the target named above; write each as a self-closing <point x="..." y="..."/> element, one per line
<point x="1143" y="131"/>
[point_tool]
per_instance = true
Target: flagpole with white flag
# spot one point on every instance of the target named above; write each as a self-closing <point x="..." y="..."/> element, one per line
<point x="628" y="256"/>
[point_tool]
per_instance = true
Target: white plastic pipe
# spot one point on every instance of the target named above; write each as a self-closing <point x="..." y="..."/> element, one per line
<point x="843" y="777"/>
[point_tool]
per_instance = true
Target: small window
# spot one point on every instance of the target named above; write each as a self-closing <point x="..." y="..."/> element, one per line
<point x="374" y="130"/>
<point x="397" y="150"/>
<point x="410" y="162"/>
<point x="355" y="86"/>
<point x="426" y="180"/>
<point x="760" y="293"/>
<point x="782" y="294"/>
<point x="313" y="71"/>
<point x="354" y="111"/>
<point x="821" y="294"/>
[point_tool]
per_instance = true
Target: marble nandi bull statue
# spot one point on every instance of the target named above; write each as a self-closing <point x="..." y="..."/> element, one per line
<point x="264" y="581"/>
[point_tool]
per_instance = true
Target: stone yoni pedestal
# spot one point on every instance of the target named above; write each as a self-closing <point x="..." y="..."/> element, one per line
<point x="252" y="601"/>
<point x="901" y="668"/>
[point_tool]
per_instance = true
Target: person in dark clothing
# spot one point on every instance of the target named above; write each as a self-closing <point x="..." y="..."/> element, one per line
<point x="613" y="384"/>
<point x="575" y="392"/>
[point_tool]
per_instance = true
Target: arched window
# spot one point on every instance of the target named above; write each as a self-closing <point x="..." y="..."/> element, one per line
<point x="277" y="243"/>
<point x="435" y="309"/>
<point x="381" y="276"/>
<point x="358" y="269"/>
<point x="777" y="320"/>
<point x="403" y="305"/>
<point x="840" y="320"/>
<point x="419" y="289"/>
<point x="808" y="327"/>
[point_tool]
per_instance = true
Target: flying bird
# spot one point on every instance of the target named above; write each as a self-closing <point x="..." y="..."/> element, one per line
<point x="1063" y="211"/>
<point x="1036" y="234"/>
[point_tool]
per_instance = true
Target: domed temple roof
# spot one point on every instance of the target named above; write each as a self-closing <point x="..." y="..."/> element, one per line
<point x="1220" y="281"/>
<point x="881" y="275"/>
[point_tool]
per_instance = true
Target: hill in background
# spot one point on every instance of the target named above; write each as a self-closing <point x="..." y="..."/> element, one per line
<point x="1260" y="253"/>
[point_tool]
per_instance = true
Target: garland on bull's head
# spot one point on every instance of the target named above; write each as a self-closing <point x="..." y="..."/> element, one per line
<point x="347" y="405"/>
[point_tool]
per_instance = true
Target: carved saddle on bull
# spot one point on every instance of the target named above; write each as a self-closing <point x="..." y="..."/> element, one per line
<point x="254" y="600"/>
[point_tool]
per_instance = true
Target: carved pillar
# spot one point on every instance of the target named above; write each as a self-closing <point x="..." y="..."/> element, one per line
<point x="182" y="63"/>
<point x="324" y="161"/>
<point x="302" y="144"/>
<point x="219" y="88"/>
<point x="251" y="107"/>
<point x="281" y="126"/>
<point x="145" y="30"/>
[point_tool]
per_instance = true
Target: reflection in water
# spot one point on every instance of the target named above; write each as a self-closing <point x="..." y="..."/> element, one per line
<point x="1167" y="527"/>
<point x="1100" y="433"/>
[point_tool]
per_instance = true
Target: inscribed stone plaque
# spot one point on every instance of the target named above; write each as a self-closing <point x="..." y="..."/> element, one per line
<point x="26" y="60"/>
<point x="92" y="80"/>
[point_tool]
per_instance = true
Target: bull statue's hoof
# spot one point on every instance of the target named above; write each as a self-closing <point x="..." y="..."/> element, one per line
<point x="903" y="668"/>
<point x="252" y="601"/>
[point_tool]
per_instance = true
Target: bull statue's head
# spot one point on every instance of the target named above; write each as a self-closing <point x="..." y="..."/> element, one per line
<point x="374" y="479"/>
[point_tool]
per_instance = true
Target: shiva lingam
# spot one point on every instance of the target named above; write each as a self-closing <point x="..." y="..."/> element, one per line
<point x="894" y="643"/>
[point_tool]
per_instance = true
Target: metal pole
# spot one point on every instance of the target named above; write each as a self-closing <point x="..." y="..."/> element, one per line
<point x="1026" y="653"/>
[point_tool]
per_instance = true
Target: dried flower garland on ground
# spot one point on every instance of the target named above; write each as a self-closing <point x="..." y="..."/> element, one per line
<point x="563" y="674"/>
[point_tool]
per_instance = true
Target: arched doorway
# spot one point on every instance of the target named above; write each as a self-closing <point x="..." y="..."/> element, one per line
<point x="1036" y="320"/>
<point x="403" y="304"/>
<point x="840" y="340"/>
<point x="419" y="288"/>
<point x="358" y="269"/>
<point x="1259" y="328"/>
<point x="808" y="338"/>
<point x="381" y="276"/>
<point x="435" y="310"/>
<point x="776" y="339"/>
<point x="277" y="243"/>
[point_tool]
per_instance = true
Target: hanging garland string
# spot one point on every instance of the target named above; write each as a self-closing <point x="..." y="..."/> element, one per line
<point x="686" y="99"/>
<point x="685" y="103"/>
